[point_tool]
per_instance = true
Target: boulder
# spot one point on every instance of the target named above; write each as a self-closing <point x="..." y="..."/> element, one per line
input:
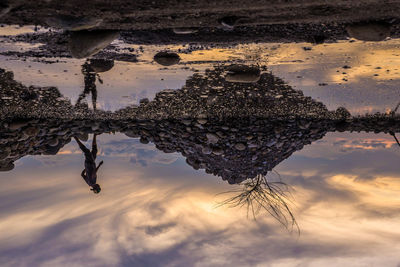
<point x="84" y="44"/>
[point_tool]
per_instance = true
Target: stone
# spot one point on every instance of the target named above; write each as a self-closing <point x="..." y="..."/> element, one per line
<point x="15" y="125"/>
<point x="71" y="23"/>
<point x="342" y="113"/>
<point x="229" y="22"/>
<point x="371" y="31"/>
<point x="167" y="58"/>
<point x="186" y="122"/>
<point x="83" y="44"/>
<point x="4" y="153"/>
<point x="31" y="131"/>
<point x="132" y="134"/>
<point x="243" y="74"/>
<point x="202" y="121"/>
<point x="144" y="140"/>
<point x="144" y="101"/>
<point x="100" y="65"/>
<point x="184" y="30"/>
<point x="53" y="142"/>
<point x="240" y="146"/>
<point x="206" y="150"/>
<point x="217" y="151"/>
<point x="6" y="168"/>
<point x="212" y="138"/>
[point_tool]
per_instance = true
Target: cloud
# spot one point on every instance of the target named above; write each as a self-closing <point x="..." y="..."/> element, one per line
<point x="164" y="215"/>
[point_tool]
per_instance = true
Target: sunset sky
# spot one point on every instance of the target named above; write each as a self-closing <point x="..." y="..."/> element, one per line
<point x="155" y="209"/>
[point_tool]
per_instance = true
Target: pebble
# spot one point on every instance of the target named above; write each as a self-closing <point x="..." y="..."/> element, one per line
<point x="240" y="146"/>
<point x="217" y="151"/>
<point x="53" y="142"/>
<point x="212" y="138"/>
<point x="17" y="125"/>
<point x="206" y="150"/>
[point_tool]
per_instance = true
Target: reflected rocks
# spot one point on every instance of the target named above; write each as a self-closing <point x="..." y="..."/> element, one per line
<point x="242" y="74"/>
<point x="84" y="44"/>
<point x="235" y="149"/>
<point x="369" y="31"/>
<point x="167" y="58"/>
<point x="233" y="130"/>
<point x="211" y="96"/>
<point x="7" y="168"/>
<point x="71" y="23"/>
<point x="20" y="138"/>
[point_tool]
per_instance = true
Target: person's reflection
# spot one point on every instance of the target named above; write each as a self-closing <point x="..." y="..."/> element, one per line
<point x="90" y="71"/>
<point x="89" y="174"/>
<point x="394" y="136"/>
<point x="393" y="114"/>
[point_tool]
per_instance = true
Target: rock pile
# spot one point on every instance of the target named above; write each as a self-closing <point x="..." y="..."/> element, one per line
<point x="212" y="96"/>
<point x="234" y="149"/>
<point x="232" y="130"/>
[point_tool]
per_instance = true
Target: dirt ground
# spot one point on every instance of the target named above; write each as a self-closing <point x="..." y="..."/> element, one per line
<point x="163" y="14"/>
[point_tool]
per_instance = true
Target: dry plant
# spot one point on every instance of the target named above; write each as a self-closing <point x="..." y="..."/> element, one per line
<point x="259" y="194"/>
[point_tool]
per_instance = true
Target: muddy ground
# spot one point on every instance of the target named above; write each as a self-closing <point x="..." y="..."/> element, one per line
<point x="162" y="14"/>
<point x="209" y="23"/>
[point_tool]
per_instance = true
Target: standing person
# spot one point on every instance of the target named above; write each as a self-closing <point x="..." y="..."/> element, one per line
<point x="395" y="138"/>
<point x="90" y="70"/>
<point x="89" y="174"/>
<point x="393" y="114"/>
<point x="90" y="84"/>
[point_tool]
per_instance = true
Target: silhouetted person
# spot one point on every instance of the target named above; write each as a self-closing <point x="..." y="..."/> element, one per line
<point x="395" y="138"/>
<point x="90" y="84"/>
<point x="90" y="71"/>
<point x="90" y="171"/>
<point x="392" y="133"/>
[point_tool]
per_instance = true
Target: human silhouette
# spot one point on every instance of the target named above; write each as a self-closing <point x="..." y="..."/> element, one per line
<point x="89" y="174"/>
<point x="393" y="114"/>
<point x="90" y="70"/>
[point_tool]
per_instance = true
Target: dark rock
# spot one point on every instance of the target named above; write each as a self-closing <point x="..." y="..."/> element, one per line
<point x="167" y="58"/>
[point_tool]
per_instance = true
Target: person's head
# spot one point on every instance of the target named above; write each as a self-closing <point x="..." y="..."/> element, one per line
<point x="96" y="188"/>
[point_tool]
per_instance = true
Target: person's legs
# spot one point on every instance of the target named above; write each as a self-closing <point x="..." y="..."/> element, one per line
<point x="94" y="96"/>
<point x="85" y="92"/>
<point x="395" y="138"/>
<point x="396" y="108"/>
<point x="82" y="146"/>
<point x="94" y="147"/>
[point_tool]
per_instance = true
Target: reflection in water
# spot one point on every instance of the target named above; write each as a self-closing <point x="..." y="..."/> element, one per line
<point x="83" y="44"/>
<point x="259" y="194"/>
<point x="89" y="174"/>
<point x="239" y="121"/>
<point x="90" y="70"/>
<point x="238" y="129"/>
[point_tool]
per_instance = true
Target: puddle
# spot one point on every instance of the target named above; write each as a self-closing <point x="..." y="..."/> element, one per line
<point x="144" y="147"/>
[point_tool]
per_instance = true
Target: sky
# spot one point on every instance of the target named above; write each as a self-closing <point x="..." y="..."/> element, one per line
<point x="154" y="210"/>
